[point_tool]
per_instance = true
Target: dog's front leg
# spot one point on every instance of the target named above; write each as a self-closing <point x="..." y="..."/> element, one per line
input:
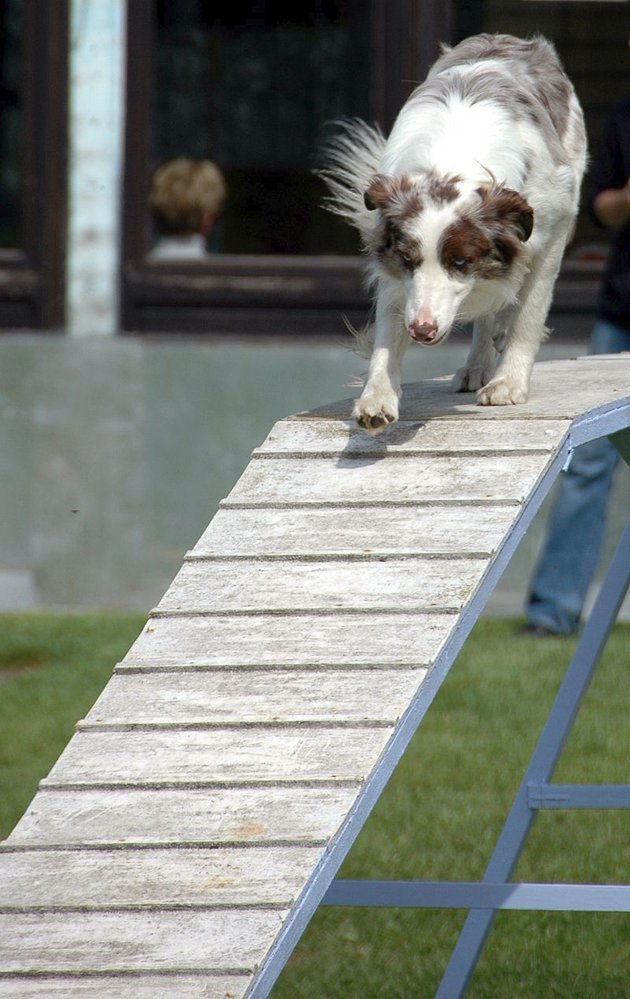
<point x="378" y="404"/>
<point x="481" y="360"/>
<point x="526" y="331"/>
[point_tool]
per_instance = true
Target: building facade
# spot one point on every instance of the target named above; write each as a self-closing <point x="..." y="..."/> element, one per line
<point x="96" y="94"/>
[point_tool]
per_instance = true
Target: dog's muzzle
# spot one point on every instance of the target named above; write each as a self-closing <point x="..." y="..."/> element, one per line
<point x="423" y="332"/>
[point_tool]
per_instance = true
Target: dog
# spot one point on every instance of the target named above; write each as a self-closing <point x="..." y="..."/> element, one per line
<point x="464" y="213"/>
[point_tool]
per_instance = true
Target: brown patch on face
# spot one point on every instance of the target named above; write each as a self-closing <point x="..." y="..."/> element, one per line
<point x="465" y="249"/>
<point x="442" y="190"/>
<point x="398" y="198"/>
<point x="398" y="252"/>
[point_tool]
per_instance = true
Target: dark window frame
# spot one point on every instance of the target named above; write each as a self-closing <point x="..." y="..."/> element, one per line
<point x="32" y="275"/>
<point x="235" y="294"/>
<point x="280" y="294"/>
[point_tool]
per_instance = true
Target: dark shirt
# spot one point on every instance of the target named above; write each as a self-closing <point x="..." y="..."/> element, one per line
<point x="612" y="170"/>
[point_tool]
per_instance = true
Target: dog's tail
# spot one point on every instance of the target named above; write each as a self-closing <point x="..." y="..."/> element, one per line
<point x="351" y="159"/>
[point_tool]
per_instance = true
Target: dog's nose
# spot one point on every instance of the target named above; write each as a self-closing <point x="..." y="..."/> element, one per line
<point x="423" y="332"/>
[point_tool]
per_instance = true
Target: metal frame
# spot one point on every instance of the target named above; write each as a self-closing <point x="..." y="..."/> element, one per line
<point x="536" y="792"/>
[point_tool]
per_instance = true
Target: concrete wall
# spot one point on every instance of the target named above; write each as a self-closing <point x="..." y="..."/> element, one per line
<point x="115" y="454"/>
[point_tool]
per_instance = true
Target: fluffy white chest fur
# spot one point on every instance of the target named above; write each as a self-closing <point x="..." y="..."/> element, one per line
<point x="464" y="213"/>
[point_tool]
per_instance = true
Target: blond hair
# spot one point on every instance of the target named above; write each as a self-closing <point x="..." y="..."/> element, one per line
<point x="184" y="192"/>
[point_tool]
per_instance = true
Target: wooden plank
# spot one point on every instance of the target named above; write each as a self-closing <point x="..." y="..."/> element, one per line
<point x="396" y="480"/>
<point x="166" y="986"/>
<point x="218" y="756"/>
<point x="169" y="877"/>
<point x="212" y="816"/>
<point x="255" y="696"/>
<point x="293" y="640"/>
<point x="408" y="584"/>
<point x="283" y="532"/>
<point x="231" y="941"/>
<point x="314" y="437"/>
<point x="560" y="390"/>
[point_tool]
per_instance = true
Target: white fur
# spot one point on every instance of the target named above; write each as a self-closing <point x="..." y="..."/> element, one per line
<point x="482" y="121"/>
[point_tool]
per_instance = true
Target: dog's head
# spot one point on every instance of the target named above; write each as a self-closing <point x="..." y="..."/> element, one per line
<point x="442" y="239"/>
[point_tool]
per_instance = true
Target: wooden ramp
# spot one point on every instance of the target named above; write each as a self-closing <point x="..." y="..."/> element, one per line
<point x="196" y="819"/>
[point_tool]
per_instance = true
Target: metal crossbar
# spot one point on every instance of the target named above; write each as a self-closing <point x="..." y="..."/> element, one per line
<point x="479" y="895"/>
<point x="495" y="892"/>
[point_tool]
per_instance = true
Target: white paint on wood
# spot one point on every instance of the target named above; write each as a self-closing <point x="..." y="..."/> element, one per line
<point x="137" y="941"/>
<point x="320" y="533"/>
<point x="330" y="437"/>
<point x="392" y="480"/>
<point x="232" y="756"/>
<point x="410" y="584"/>
<point x="121" y="987"/>
<point x="135" y="817"/>
<point x="102" y="879"/>
<point x="255" y="696"/>
<point x="293" y="640"/>
<point x="559" y="390"/>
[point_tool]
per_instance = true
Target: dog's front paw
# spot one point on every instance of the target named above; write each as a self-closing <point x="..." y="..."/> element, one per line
<point x="471" y="379"/>
<point x="502" y="392"/>
<point x="376" y="410"/>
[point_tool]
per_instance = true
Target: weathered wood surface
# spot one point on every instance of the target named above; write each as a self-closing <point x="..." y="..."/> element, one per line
<point x="106" y="942"/>
<point x="169" y="877"/>
<point x="237" y="755"/>
<point x="304" y="437"/>
<point x="559" y="390"/>
<point x="306" y="640"/>
<point x="214" y="587"/>
<point x="189" y="815"/>
<point x="339" y="532"/>
<point x="351" y="481"/>
<point x="164" y="986"/>
<point x="262" y="697"/>
<point x="207" y="799"/>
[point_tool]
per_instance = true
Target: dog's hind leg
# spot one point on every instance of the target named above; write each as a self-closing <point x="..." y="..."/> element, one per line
<point x="481" y="360"/>
<point x="526" y="331"/>
<point x="377" y="406"/>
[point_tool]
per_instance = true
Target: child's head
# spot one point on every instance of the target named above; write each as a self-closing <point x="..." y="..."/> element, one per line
<point x="186" y="196"/>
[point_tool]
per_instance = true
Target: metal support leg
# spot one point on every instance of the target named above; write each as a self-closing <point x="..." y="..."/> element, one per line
<point x="541" y="767"/>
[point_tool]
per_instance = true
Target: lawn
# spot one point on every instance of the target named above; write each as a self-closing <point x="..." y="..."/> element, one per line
<point x="438" y="817"/>
<point x="52" y="669"/>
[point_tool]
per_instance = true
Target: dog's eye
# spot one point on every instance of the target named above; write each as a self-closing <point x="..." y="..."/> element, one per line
<point x="459" y="265"/>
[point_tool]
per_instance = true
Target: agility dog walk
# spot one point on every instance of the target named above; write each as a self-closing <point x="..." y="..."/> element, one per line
<point x="201" y="811"/>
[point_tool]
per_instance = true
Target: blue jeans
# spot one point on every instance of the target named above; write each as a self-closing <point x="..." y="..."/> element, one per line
<point x="575" y="531"/>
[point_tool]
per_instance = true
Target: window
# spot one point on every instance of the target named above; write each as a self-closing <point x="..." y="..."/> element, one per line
<point x="11" y="33"/>
<point x="33" y="65"/>
<point x="251" y="84"/>
<point x="591" y="39"/>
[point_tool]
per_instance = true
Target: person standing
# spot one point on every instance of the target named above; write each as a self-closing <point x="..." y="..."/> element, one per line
<point x="575" y="531"/>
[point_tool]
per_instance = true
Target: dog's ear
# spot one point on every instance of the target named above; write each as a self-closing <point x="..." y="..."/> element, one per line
<point x="397" y="197"/>
<point x="500" y="205"/>
<point x="379" y="192"/>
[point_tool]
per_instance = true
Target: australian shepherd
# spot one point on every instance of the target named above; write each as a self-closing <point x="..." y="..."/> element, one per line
<point x="464" y="213"/>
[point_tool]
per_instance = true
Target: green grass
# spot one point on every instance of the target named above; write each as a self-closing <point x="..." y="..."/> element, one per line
<point x="438" y="818"/>
<point x="52" y="669"/>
